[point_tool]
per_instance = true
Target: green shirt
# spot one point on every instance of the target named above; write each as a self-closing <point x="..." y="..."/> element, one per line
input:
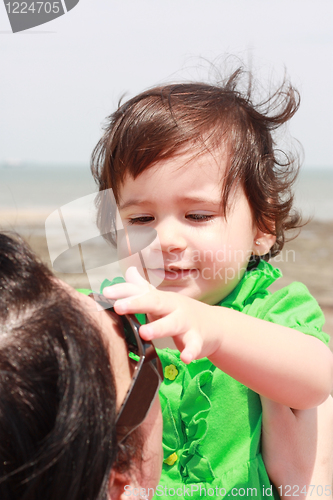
<point x="211" y="422"/>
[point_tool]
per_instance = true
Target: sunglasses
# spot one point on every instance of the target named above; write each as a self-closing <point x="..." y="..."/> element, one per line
<point x="147" y="376"/>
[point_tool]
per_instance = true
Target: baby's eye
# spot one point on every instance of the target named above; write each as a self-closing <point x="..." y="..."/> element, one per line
<point x="199" y="217"/>
<point x="145" y="219"/>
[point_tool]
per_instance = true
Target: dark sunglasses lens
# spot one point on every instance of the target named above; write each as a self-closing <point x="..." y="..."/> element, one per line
<point x="147" y="347"/>
<point x="107" y="304"/>
<point x="130" y="336"/>
<point x="158" y="365"/>
<point x="139" y="399"/>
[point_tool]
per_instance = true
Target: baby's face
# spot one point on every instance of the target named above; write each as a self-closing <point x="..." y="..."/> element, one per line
<point x="204" y="253"/>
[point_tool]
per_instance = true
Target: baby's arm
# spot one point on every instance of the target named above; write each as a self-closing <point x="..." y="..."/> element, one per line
<point x="275" y="361"/>
<point x="279" y="363"/>
<point x="297" y="447"/>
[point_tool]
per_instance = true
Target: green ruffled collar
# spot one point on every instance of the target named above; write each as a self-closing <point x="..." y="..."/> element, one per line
<point x="254" y="280"/>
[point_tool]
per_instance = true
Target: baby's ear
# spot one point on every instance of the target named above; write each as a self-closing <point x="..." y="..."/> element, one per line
<point x="262" y="243"/>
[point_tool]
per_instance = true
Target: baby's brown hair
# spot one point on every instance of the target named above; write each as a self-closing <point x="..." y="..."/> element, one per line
<point x="165" y="121"/>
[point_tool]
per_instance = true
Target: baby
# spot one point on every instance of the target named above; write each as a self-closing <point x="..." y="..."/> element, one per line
<point x="198" y="164"/>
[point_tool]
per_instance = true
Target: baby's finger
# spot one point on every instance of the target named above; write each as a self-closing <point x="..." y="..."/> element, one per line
<point x="146" y="303"/>
<point x="191" y="350"/>
<point x="133" y="276"/>
<point x="121" y="291"/>
<point x="167" y="326"/>
<point x="136" y="304"/>
<point x="189" y="343"/>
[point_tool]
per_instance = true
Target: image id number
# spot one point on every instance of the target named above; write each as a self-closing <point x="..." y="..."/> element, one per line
<point x="312" y="489"/>
<point x="33" y="7"/>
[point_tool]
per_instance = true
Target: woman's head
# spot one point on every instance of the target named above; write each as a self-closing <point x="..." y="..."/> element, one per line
<point x="167" y="121"/>
<point x="58" y="392"/>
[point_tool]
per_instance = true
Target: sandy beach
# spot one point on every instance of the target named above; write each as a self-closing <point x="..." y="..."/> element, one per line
<point x="307" y="258"/>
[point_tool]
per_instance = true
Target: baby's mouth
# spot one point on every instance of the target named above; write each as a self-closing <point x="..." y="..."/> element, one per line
<point x="173" y="273"/>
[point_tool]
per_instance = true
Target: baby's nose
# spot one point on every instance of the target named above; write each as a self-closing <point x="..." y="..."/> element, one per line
<point x="171" y="236"/>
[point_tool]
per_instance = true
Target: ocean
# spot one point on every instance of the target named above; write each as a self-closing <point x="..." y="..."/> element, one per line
<point x="38" y="188"/>
<point x="43" y="188"/>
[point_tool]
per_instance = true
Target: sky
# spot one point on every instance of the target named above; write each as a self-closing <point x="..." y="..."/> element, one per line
<point x="60" y="80"/>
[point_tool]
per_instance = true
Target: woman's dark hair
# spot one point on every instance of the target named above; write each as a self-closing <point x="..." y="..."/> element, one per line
<point x="57" y="392"/>
<point x="166" y="121"/>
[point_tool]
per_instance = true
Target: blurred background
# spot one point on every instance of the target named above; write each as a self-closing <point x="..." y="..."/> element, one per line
<point x="60" y="80"/>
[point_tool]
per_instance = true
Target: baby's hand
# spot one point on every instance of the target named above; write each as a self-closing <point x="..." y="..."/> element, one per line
<point x="169" y="313"/>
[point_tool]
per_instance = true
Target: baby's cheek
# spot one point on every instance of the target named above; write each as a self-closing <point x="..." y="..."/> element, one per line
<point x="225" y="269"/>
<point x="238" y="255"/>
